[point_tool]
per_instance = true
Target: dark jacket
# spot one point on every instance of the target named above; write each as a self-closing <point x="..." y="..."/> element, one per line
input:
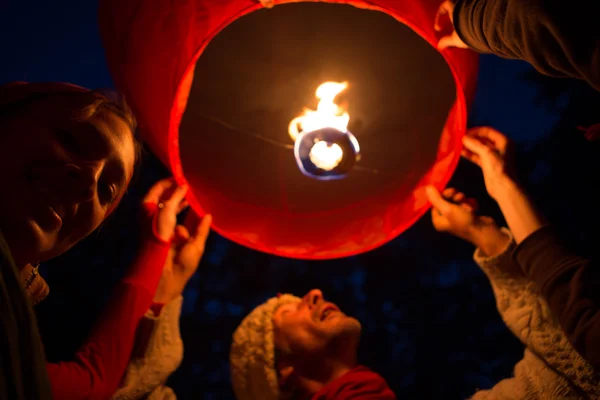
<point x="571" y="287"/>
<point x="559" y="38"/>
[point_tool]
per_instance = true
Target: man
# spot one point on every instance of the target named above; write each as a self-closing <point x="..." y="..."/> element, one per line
<point x="301" y="347"/>
<point x="558" y="38"/>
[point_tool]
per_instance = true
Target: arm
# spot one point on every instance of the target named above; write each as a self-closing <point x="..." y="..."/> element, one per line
<point x="557" y="38"/>
<point x="520" y="214"/>
<point x="158" y="352"/>
<point x="159" y="348"/>
<point x="99" y="364"/>
<point x="569" y="284"/>
<point x="571" y="287"/>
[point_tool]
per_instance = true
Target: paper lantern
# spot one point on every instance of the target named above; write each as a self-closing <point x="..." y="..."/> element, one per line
<point x="218" y="85"/>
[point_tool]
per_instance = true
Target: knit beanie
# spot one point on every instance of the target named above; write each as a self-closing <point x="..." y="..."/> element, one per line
<point x="252" y="355"/>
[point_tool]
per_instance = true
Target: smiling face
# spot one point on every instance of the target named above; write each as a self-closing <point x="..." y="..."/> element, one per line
<point x="315" y="328"/>
<point x="62" y="175"/>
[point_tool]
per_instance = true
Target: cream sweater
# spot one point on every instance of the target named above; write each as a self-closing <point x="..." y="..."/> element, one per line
<point x="550" y="369"/>
<point x="158" y="353"/>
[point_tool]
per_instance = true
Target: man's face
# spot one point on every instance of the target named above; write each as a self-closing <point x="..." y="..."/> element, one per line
<point x="314" y="327"/>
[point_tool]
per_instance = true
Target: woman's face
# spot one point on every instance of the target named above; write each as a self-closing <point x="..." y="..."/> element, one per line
<point x="60" y="177"/>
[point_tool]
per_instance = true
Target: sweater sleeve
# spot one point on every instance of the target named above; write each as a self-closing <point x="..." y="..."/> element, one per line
<point x="98" y="366"/>
<point x="571" y="287"/>
<point x="158" y="352"/>
<point x="512" y="290"/>
<point x="549" y="356"/>
<point x="557" y="38"/>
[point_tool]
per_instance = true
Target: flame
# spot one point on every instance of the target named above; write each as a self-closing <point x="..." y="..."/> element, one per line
<point x="327" y="114"/>
<point x="325" y="155"/>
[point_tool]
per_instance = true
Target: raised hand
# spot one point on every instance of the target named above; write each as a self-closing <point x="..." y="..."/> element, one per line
<point x="454" y="213"/>
<point x="492" y="151"/>
<point x="184" y="257"/>
<point x="169" y="200"/>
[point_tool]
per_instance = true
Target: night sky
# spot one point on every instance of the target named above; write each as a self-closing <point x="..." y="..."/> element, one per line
<point x="429" y="320"/>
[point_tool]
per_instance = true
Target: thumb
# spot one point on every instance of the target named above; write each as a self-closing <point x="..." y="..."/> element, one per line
<point x="446" y="42"/>
<point x="181" y="234"/>
<point x="202" y="231"/>
<point x="437" y="200"/>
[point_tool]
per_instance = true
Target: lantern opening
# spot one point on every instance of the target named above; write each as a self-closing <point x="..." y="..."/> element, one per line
<point x="253" y="80"/>
<point x="216" y="84"/>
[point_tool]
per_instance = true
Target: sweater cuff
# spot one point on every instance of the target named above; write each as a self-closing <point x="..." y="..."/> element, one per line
<point x="480" y="258"/>
<point x="538" y="253"/>
<point x="500" y="266"/>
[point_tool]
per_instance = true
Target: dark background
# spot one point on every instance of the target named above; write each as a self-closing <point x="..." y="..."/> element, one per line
<point x="428" y="313"/>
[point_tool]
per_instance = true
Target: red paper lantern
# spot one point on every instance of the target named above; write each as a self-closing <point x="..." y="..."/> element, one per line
<point x="215" y="83"/>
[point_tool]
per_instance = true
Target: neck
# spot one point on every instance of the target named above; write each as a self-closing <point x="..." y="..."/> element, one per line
<point x="318" y="375"/>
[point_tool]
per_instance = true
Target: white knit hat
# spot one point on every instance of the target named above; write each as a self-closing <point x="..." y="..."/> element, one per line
<point x="252" y="355"/>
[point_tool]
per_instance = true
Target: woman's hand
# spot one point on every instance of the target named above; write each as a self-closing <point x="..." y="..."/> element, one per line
<point x="454" y="213"/>
<point x="168" y="200"/>
<point x="452" y="39"/>
<point x="493" y="152"/>
<point x="184" y="257"/>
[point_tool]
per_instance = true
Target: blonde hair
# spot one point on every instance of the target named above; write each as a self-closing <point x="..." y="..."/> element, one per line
<point x="93" y="102"/>
<point x="99" y="100"/>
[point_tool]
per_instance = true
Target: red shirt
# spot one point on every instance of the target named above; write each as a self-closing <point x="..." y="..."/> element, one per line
<point x="98" y="366"/>
<point x="360" y="383"/>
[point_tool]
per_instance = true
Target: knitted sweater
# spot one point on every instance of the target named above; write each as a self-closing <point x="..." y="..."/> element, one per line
<point x="550" y="368"/>
<point x="157" y="353"/>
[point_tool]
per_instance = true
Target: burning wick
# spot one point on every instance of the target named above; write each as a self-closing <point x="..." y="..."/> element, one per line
<point x="325" y="155"/>
<point x="324" y="148"/>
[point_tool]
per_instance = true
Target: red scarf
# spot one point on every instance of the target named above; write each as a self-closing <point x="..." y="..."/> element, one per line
<point x="360" y="383"/>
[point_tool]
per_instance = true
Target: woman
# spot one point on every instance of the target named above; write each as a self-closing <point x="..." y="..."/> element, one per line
<point x="68" y="155"/>
<point x="547" y="296"/>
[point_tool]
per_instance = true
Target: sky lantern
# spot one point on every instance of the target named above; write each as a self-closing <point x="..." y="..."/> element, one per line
<point x="307" y="129"/>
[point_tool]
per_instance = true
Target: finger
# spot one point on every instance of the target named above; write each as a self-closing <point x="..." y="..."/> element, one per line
<point x="158" y="189"/>
<point x="443" y="10"/>
<point x="498" y="139"/>
<point x="448" y="193"/>
<point x="174" y="201"/>
<point x="437" y="201"/>
<point x="467" y="207"/>
<point x="486" y="220"/>
<point x="469" y="155"/>
<point x="202" y="231"/>
<point x="182" y="235"/>
<point x="473" y="203"/>
<point x="458" y="197"/>
<point x="182" y="232"/>
<point x="182" y="206"/>
<point x="474" y="145"/>
<point x="446" y="42"/>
